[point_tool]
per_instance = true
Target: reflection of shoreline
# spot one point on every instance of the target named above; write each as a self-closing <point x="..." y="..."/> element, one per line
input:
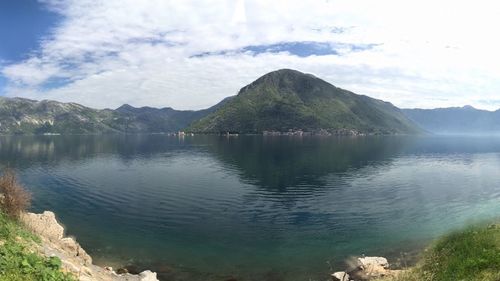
<point x="260" y="158"/>
<point x="321" y="132"/>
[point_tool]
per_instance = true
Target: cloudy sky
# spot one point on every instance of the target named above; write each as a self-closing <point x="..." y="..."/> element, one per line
<point x="191" y="54"/>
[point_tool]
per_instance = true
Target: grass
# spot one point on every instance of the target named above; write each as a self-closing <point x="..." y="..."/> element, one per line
<point x="469" y="255"/>
<point x="19" y="261"/>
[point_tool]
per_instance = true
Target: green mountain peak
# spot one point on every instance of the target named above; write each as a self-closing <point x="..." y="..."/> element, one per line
<point x="286" y="99"/>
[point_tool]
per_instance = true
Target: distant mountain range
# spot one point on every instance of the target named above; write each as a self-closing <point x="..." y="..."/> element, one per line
<point x="280" y="101"/>
<point x="456" y="120"/>
<point x="25" y="116"/>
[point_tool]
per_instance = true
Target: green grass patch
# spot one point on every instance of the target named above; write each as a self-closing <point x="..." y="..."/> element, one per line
<point x="18" y="260"/>
<point x="469" y="255"/>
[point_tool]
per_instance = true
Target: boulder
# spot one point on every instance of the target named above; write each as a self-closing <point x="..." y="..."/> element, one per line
<point x="371" y="267"/>
<point x="340" y="276"/>
<point x="44" y="224"/>
<point x="71" y="247"/>
<point x="148" y="276"/>
<point x="373" y="261"/>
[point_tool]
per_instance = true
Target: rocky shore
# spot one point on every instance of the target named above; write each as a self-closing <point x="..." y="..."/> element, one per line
<point x="366" y="268"/>
<point x="73" y="256"/>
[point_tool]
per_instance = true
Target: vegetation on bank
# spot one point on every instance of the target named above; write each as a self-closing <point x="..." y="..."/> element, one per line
<point x="469" y="255"/>
<point x="19" y="260"/>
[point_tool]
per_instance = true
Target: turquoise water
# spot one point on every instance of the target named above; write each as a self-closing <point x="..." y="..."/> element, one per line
<point x="256" y="208"/>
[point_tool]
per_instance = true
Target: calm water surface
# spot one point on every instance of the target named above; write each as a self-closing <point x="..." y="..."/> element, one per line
<point x="256" y="208"/>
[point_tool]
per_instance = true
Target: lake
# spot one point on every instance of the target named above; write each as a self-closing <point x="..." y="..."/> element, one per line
<point x="255" y="207"/>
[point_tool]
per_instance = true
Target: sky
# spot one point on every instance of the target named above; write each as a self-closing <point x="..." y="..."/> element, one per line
<point x="191" y="54"/>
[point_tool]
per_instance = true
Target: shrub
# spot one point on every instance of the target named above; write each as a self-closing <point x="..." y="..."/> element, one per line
<point x="14" y="199"/>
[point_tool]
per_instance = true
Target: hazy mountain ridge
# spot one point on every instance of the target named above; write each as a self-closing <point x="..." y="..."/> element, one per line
<point x="456" y="120"/>
<point x="287" y="99"/>
<point x="25" y="116"/>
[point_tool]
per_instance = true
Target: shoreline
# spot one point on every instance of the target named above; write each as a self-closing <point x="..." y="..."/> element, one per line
<point x="76" y="261"/>
<point x="73" y="257"/>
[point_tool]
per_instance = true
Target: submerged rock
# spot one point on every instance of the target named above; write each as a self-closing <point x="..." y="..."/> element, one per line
<point x="121" y="270"/>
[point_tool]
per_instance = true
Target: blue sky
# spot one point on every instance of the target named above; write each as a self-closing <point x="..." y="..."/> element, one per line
<point x="297" y="48"/>
<point x="23" y="24"/>
<point x="191" y="54"/>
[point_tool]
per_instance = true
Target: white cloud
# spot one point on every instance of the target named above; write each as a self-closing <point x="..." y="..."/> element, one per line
<point x="431" y="53"/>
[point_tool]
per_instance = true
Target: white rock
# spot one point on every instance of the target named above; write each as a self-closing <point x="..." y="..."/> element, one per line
<point x="373" y="261"/>
<point x="73" y="256"/>
<point x="71" y="247"/>
<point x="44" y="225"/>
<point x="148" y="276"/>
<point x="340" y="276"/>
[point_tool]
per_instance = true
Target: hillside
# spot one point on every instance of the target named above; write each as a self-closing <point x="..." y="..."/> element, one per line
<point x="25" y="116"/>
<point x="279" y="101"/>
<point x="150" y="119"/>
<point x="290" y="100"/>
<point x="456" y="120"/>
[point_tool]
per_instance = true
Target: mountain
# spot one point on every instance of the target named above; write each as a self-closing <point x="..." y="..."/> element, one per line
<point x="456" y="120"/>
<point x="150" y="119"/>
<point x="286" y="100"/>
<point x="25" y="116"/>
<point x="282" y="100"/>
